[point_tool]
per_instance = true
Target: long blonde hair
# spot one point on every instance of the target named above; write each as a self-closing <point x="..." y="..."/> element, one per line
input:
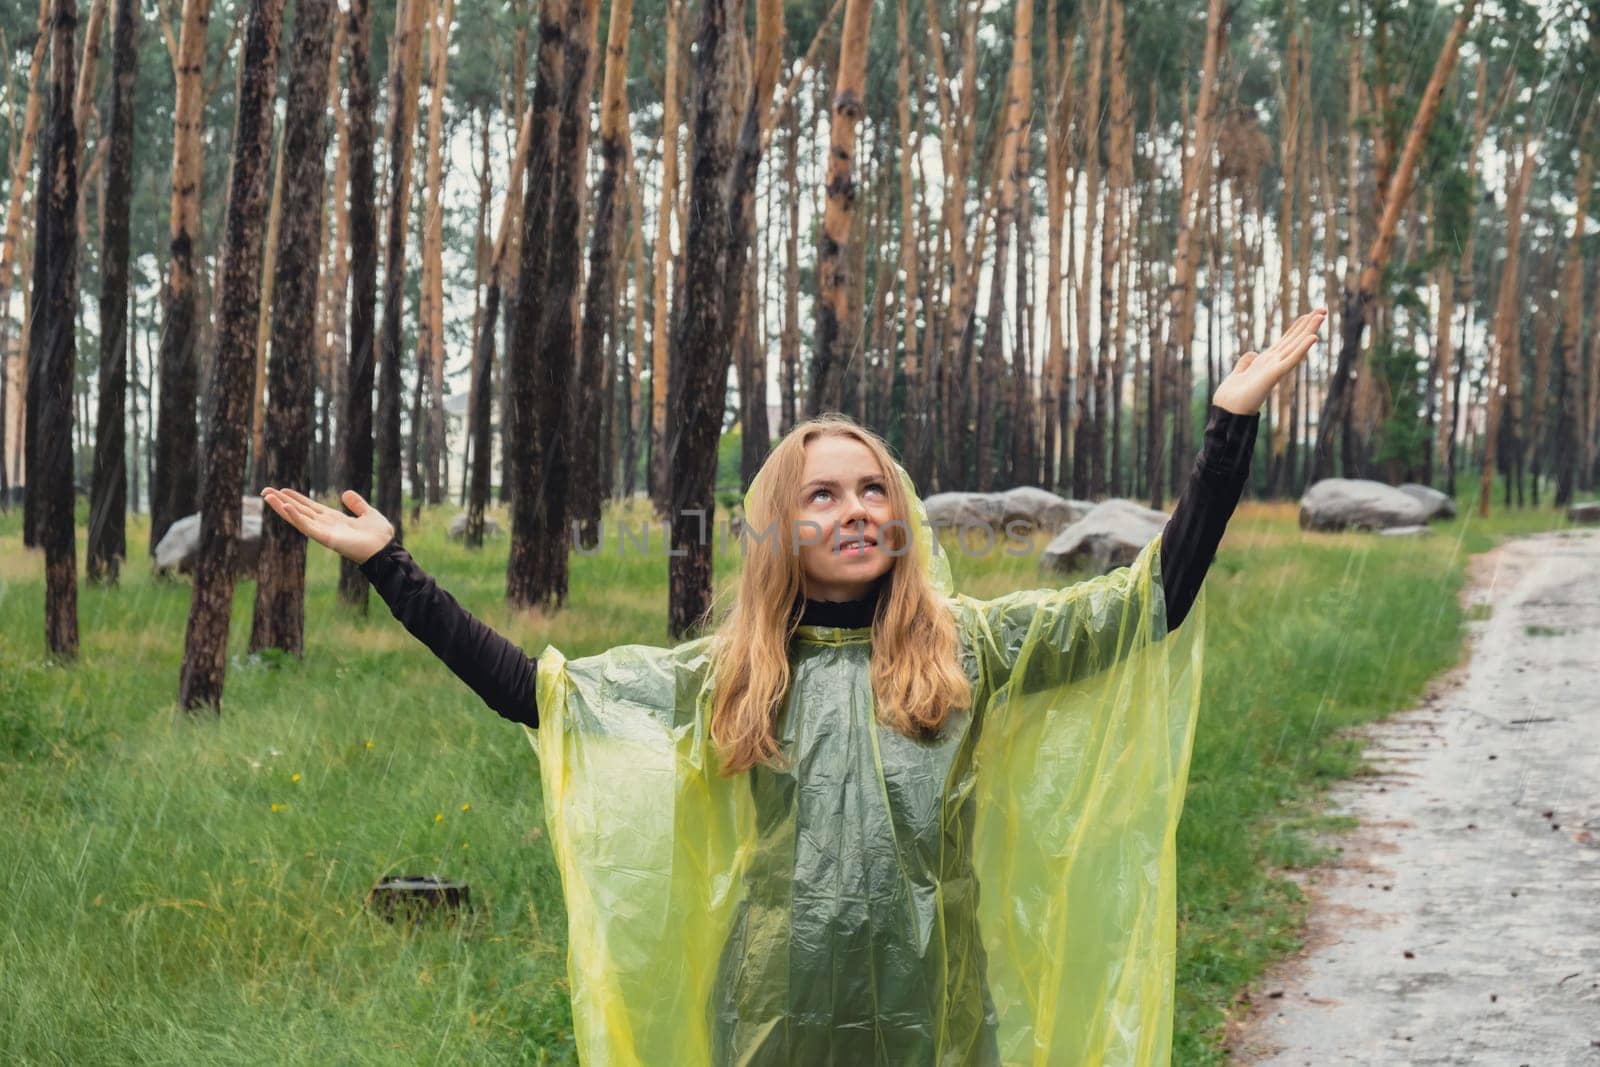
<point x="916" y="677"/>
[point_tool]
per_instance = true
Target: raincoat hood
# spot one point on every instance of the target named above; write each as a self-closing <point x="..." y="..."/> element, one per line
<point x="1004" y="893"/>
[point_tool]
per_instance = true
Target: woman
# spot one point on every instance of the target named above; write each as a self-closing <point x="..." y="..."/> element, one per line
<point x="867" y="820"/>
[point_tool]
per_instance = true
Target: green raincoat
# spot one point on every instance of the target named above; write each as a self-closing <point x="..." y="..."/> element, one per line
<point x="1003" y="893"/>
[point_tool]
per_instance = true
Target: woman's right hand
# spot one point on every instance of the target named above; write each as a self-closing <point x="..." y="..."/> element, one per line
<point x="356" y="537"/>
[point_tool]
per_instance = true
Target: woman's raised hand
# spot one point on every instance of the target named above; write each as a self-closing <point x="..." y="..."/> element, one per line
<point x="1245" y="389"/>
<point x="356" y="537"/>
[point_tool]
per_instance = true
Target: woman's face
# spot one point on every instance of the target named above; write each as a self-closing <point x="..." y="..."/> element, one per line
<point x="844" y="502"/>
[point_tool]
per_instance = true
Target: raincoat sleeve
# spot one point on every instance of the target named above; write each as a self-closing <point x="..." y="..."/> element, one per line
<point x="647" y="836"/>
<point x="1086" y="713"/>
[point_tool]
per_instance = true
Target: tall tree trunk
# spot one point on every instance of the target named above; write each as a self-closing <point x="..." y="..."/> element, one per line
<point x="281" y="574"/>
<point x="1119" y="176"/>
<point x="405" y="60"/>
<point x="739" y="310"/>
<point x="917" y="424"/>
<point x="430" y="332"/>
<point x="336" y="289"/>
<point x="600" y="298"/>
<point x="1196" y="183"/>
<point x="257" y="465"/>
<point x="205" y="651"/>
<point x="1283" y="399"/>
<point x="536" y="572"/>
<point x="108" y="499"/>
<point x="8" y="252"/>
<point x="1019" y="97"/>
<point x="789" y="376"/>
<point x="701" y="345"/>
<point x="1506" y="328"/>
<point x="1569" y="443"/>
<point x="175" y="487"/>
<point x="835" y="333"/>
<point x="661" y="260"/>
<point x="1085" y="480"/>
<point x="55" y="329"/>
<point x="483" y="369"/>
<point x="356" y="457"/>
<point x="1358" y="301"/>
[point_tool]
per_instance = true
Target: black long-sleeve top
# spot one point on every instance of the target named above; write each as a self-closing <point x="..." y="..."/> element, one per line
<point x="503" y="675"/>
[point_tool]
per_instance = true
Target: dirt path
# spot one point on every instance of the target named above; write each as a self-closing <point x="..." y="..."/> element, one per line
<point x="1461" y="924"/>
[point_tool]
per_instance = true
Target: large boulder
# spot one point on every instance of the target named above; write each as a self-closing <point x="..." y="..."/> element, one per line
<point x="176" y="552"/>
<point x="964" y="510"/>
<point x="1111" y="535"/>
<point x="1029" y="505"/>
<point x="458" y="527"/>
<point x="1040" y="508"/>
<point x="1344" y="503"/>
<point x="1586" y="513"/>
<point x="1440" y="504"/>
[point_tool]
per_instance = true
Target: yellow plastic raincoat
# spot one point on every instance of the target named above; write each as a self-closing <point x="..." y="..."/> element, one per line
<point x="1001" y="894"/>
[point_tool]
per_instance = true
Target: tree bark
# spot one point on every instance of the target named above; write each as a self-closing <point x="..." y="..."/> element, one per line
<point x="1019" y="97"/>
<point x="835" y="328"/>
<point x="1569" y="443"/>
<point x="701" y="345"/>
<point x="430" y="332"/>
<point x="175" y="487"/>
<point x="405" y="61"/>
<point x="662" y="259"/>
<point x="8" y="251"/>
<point x="54" y="341"/>
<point x="356" y="457"/>
<point x="205" y="652"/>
<point x="281" y="575"/>
<point x="600" y="298"/>
<point x="108" y="499"/>
<point x="1506" y="327"/>
<point x="483" y="370"/>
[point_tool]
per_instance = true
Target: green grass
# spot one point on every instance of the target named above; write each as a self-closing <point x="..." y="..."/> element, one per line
<point x="171" y="892"/>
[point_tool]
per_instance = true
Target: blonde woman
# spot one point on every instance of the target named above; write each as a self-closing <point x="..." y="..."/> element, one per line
<point x="867" y="820"/>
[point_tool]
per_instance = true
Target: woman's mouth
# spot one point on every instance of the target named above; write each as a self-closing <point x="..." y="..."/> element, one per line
<point x="856" y="546"/>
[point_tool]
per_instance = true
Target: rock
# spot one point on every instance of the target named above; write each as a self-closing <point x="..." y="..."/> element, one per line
<point x="458" y="527"/>
<point x="1340" y="503"/>
<point x="175" y="554"/>
<point x="1403" y="531"/>
<point x="1586" y="513"/>
<point x="1040" y="508"/>
<point x="964" y="510"/>
<point x="1111" y="535"/>
<point x="1440" y="503"/>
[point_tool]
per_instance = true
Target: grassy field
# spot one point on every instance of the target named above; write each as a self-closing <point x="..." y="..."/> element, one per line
<point x="191" y="891"/>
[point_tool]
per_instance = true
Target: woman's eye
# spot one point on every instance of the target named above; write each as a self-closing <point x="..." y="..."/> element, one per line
<point x="819" y="492"/>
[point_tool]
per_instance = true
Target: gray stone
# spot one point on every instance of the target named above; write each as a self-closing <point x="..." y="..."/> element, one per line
<point x="458" y="527"/>
<point x="1403" y="531"/>
<point x="1040" y="508"/>
<point x="176" y="552"/>
<point x="965" y="510"/>
<point x="1443" y="507"/>
<point x="1586" y="513"/>
<point x="1111" y="535"/>
<point x="1343" y="503"/>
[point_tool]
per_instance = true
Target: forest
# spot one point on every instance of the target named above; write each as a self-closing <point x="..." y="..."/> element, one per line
<point x="435" y="254"/>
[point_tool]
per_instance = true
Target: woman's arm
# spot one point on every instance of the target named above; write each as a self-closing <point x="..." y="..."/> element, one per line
<point x="1190" y="539"/>
<point x="497" y="670"/>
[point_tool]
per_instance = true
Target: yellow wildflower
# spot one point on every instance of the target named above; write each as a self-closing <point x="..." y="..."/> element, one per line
<point x="466" y="807"/>
<point x="438" y="816"/>
<point x="294" y="777"/>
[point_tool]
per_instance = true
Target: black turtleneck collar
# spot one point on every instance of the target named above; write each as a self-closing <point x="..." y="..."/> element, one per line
<point x="846" y="614"/>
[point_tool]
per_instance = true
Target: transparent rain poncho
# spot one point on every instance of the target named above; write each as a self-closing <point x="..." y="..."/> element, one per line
<point x="1003" y="893"/>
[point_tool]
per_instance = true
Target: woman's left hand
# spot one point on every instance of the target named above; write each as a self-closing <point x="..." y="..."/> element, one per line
<point x="1247" y="387"/>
